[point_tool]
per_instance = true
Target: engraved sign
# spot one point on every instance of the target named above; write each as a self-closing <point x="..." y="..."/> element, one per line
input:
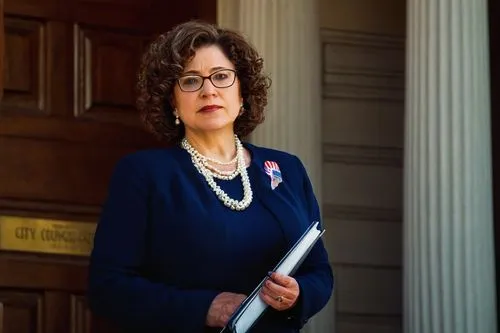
<point x="46" y="236"/>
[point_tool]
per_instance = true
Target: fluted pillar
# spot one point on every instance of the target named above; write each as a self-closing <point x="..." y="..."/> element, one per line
<point x="286" y="34"/>
<point x="449" y="282"/>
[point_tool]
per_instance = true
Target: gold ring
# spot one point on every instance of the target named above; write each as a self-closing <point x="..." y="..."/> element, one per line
<point x="279" y="299"/>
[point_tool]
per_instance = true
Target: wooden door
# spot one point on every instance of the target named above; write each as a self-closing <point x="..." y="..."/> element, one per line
<point x="2" y="47"/>
<point x="66" y="116"/>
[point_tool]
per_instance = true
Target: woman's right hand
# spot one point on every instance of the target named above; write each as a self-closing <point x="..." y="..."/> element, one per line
<point x="222" y="307"/>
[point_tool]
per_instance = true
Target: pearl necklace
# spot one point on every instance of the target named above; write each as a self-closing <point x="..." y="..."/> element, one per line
<point x="200" y="162"/>
<point x="222" y="174"/>
<point x="220" y="162"/>
<point x="199" y="159"/>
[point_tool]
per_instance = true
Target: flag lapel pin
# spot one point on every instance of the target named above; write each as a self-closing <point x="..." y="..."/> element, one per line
<point x="273" y="171"/>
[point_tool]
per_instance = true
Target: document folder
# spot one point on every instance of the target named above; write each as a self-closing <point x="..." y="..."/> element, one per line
<point x="252" y="308"/>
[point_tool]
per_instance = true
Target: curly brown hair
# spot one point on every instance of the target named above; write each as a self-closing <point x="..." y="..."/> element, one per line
<point x="164" y="62"/>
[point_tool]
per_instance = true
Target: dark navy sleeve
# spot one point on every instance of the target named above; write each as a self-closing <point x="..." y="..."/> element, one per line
<point x="117" y="290"/>
<point x="315" y="276"/>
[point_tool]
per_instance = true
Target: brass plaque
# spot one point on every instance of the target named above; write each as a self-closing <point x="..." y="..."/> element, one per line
<point x="46" y="236"/>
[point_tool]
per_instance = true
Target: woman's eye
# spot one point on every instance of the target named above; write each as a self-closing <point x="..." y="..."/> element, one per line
<point x="190" y="80"/>
<point x="220" y="76"/>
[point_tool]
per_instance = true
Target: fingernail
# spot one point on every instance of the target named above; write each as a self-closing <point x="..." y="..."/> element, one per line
<point x="270" y="273"/>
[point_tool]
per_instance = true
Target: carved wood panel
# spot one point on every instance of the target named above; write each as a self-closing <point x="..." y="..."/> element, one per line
<point x="56" y="312"/>
<point x="25" y="71"/>
<point x="21" y="312"/>
<point x="80" y="315"/>
<point x="104" y="59"/>
<point x="74" y="173"/>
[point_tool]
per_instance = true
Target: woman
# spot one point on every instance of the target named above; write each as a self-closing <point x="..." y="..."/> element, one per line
<point x="188" y="231"/>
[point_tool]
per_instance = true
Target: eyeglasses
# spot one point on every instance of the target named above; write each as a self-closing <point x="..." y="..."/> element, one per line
<point x="223" y="78"/>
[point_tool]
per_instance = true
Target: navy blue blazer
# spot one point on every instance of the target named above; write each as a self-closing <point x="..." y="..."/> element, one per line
<point x="155" y="263"/>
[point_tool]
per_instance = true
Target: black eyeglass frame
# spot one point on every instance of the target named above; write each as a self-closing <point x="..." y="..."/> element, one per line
<point x="209" y="77"/>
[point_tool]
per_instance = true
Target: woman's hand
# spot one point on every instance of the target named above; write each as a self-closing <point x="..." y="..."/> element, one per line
<point x="222" y="307"/>
<point x="280" y="291"/>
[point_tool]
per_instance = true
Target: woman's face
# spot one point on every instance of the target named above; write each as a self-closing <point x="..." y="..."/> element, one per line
<point x="209" y="108"/>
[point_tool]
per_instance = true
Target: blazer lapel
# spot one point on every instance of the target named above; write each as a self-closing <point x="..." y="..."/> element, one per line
<point x="278" y="201"/>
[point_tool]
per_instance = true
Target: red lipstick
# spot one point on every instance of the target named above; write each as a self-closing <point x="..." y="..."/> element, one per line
<point x="210" y="108"/>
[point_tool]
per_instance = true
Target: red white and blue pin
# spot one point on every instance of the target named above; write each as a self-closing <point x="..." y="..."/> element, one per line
<point x="273" y="171"/>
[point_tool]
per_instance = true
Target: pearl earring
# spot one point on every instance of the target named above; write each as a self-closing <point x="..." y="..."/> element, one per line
<point x="242" y="110"/>
<point x="177" y="120"/>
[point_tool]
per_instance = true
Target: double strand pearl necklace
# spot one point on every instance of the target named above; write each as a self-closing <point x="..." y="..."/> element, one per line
<point x="201" y="163"/>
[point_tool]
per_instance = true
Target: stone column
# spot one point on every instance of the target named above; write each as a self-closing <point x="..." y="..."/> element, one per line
<point x="449" y="282"/>
<point x="287" y="35"/>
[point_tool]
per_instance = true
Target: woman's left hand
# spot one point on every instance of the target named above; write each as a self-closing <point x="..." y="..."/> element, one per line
<point x="280" y="291"/>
